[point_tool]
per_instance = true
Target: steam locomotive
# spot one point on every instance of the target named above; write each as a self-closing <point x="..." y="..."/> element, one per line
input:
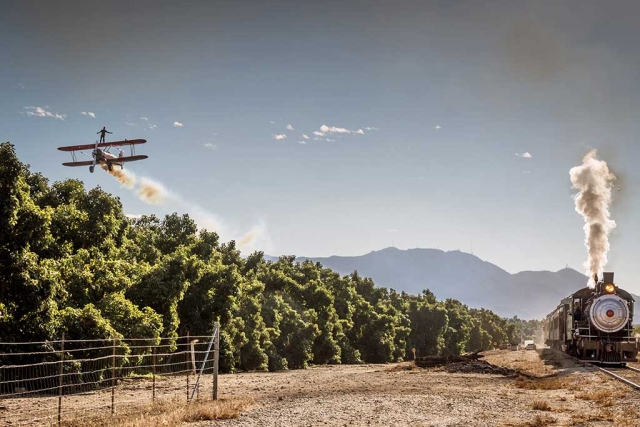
<point x="594" y="324"/>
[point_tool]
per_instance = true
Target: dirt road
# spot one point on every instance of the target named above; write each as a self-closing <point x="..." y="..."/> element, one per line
<point x="552" y="390"/>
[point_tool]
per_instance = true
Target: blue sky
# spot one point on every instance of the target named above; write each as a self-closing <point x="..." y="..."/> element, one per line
<point x="446" y="93"/>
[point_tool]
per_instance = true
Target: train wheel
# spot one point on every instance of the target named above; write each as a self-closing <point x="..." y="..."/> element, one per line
<point x="91" y="169"/>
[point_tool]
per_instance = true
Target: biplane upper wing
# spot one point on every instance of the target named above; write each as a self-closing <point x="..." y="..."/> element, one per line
<point x="102" y="144"/>
<point x="85" y="163"/>
<point x="127" y="159"/>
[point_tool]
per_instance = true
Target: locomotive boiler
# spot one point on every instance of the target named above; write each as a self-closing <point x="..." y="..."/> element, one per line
<point x="594" y="324"/>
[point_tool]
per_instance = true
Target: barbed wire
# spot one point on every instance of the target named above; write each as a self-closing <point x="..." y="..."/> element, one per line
<point x="70" y="379"/>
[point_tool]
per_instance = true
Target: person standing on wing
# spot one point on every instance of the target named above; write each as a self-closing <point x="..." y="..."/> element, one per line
<point x="103" y="132"/>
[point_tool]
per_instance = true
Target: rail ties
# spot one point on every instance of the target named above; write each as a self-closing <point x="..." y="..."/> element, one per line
<point x="618" y="377"/>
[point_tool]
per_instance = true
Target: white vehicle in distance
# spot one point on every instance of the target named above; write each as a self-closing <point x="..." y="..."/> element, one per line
<point x="529" y="345"/>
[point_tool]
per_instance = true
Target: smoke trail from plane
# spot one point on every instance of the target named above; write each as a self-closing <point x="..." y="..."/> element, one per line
<point x="152" y="192"/>
<point x="257" y="233"/>
<point x="126" y="178"/>
<point x="594" y="181"/>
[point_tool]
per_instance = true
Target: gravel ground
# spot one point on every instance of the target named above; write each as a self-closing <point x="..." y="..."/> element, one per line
<point x="388" y="395"/>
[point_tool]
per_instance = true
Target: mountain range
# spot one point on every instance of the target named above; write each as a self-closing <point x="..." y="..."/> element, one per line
<point x="463" y="276"/>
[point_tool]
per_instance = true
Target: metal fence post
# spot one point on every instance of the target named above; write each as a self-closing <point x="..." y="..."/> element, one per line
<point x="60" y="381"/>
<point x="216" y="353"/>
<point x="113" y="379"/>
<point x="153" y="370"/>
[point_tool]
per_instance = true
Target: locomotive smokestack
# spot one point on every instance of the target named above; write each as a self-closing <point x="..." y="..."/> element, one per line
<point x="593" y="180"/>
<point x="607" y="277"/>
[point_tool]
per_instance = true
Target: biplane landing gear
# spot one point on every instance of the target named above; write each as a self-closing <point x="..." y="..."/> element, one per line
<point x="91" y="169"/>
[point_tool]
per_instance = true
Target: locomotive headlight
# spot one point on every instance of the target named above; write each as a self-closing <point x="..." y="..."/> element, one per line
<point x="609" y="288"/>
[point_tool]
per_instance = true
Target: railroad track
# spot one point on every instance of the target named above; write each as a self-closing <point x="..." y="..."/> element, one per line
<point x="628" y="374"/>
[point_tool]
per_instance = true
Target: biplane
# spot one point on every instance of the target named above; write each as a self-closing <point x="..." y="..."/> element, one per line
<point x="104" y="157"/>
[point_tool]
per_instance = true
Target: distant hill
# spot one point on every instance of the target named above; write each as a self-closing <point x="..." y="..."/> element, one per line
<point x="459" y="275"/>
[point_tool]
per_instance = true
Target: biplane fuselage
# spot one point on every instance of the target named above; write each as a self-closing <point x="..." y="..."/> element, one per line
<point x="103" y="157"/>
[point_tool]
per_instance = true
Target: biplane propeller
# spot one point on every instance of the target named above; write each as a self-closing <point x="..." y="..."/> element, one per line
<point x="104" y="157"/>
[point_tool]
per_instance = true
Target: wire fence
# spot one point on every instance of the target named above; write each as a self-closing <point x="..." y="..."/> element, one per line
<point x="46" y="383"/>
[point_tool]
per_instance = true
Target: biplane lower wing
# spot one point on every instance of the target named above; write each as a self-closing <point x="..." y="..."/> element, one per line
<point x="127" y="159"/>
<point x="102" y="144"/>
<point x="72" y="164"/>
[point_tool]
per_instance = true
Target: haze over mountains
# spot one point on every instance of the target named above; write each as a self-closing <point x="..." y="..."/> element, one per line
<point x="459" y="275"/>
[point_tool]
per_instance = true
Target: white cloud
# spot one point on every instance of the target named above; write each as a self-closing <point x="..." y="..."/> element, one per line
<point x="305" y="136"/>
<point x="526" y="155"/>
<point x="289" y="127"/>
<point x="272" y="122"/>
<point x="526" y="172"/>
<point x="178" y="124"/>
<point x="317" y="139"/>
<point x="88" y="113"/>
<point x="133" y="216"/>
<point x="316" y="133"/>
<point x="332" y="129"/>
<point x="437" y="127"/>
<point x="129" y="124"/>
<point x="371" y="128"/>
<point x="146" y="119"/>
<point x="329" y="140"/>
<point x="43" y="112"/>
<point x="280" y="136"/>
<point x="302" y="142"/>
<point x="210" y="146"/>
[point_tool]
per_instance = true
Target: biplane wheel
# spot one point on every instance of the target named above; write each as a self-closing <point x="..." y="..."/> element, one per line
<point x="110" y="166"/>
<point x="91" y="169"/>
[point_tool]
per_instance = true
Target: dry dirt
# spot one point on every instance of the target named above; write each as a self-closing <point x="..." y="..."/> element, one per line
<point x="517" y="388"/>
<point x="552" y="390"/>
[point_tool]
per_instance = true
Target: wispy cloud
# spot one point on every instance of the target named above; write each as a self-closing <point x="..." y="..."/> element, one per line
<point x="329" y="140"/>
<point x="371" y="128"/>
<point x="526" y="155"/>
<point x="333" y="129"/>
<point x="133" y="216"/>
<point x="43" y="112"/>
<point x="305" y="136"/>
<point x="146" y="119"/>
<point x="318" y="133"/>
<point x="527" y="172"/>
<point x="21" y="86"/>
<point x="152" y="126"/>
<point x="88" y="113"/>
<point x="289" y="127"/>
<point x="272" y="122"/>
<point x="437" y="127"/>
<point x="129" y="124"/>
<point x="178" y="124"/>
<point x="280" y="136"/>
<point x="302" y="142"/>
<point x="210" y="146"/>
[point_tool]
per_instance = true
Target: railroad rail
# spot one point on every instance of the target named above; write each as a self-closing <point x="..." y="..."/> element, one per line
<point x="613" y="372"/>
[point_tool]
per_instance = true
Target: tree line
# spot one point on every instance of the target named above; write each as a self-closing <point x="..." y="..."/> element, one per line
<point x="71" y="261"/>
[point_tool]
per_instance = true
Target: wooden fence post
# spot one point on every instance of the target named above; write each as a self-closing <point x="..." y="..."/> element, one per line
<point x="216" y="353"/>
<point x="113" y="378"/>
<point x="60" y="382"/>
<point x="186" y="353"/>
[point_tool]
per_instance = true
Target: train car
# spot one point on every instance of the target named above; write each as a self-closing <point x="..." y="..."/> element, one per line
<point x="594" y="324"/>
